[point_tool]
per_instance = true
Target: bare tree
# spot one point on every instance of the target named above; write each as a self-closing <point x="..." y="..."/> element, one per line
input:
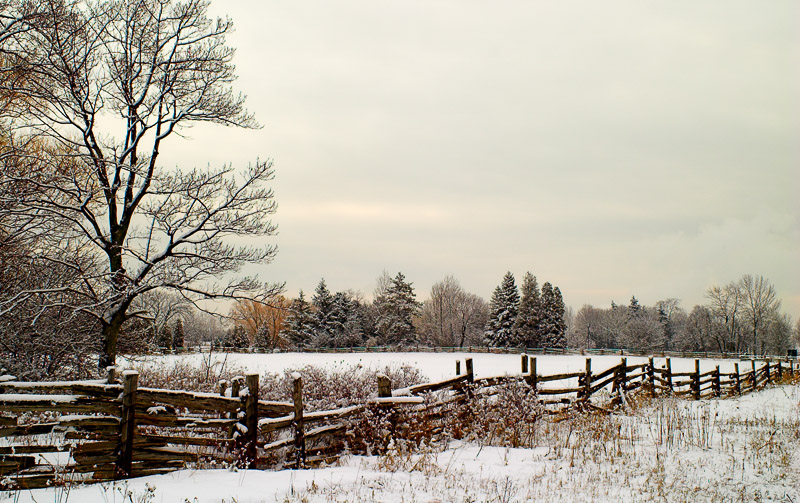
<point x="452" y="316"/>
<point x="162" y="308"/>
<point x="203" y="327"/>
<point x="112" y="81"/>
<point x="726" y="306"/>
<point x="796" y="335"/>
<point x="760" y="301"/>
<point x="699" y="331"/>
<point x="438" y="321"/>
<point x="261" y="322"/>
<point x="590" y="329"/>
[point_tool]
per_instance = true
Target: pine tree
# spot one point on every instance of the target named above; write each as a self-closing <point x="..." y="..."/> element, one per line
<point x="165" y="337"/>
<point x="559" y="338"/>
<point x="236" y="337"/>
<point x="553" y="327"/>
<point x="634" y="309"/>
<point x="323" y="311"/>
<point x="178" y="335"/>
<point x="152" y="336"/>
<point x="529" y="317"/>
<point x="503" y="307"/>
<point x="300" y="323"/>
<point x="347" y="321"/>
<point x="263" y="338"/>
<point x="396" y="310"/>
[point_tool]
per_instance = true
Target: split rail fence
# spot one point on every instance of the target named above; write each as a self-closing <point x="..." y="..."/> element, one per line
<point x="80" y="431"/>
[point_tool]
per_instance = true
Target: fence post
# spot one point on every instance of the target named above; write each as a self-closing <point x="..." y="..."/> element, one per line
<point x="780" y="371"/>
<point x="251" y="417"/>
<point x="738" y="379"/>
<point x="791" y="367"/>
<point x="696" y="380"/>
<point x="755" y="381"/>
<point x="587" y="381"/>
<point x="524" y="361"/>
<point x="222" y="386"/>
<point x="717" y="383"/>
<point x="651" y="376"/>
<point x="458" y="367"/>
<point x="111" y="374"/>
<point x="768" y="374"/>
<point x="534" y="377"/>
<point x="669" y="376"/>
<point x="127" y="423"/>
<point x="299" y="434"/>
<point x="620" y="379"/>
<point x="236" y="387"/>
<point x="384" y="386"/>
<point x="470" y="372"/>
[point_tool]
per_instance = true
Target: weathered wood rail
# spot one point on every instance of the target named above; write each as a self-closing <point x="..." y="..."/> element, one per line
<point x="64" y="432"/>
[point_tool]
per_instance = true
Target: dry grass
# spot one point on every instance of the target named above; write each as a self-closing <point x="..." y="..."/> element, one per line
<point x="660" y="450"/>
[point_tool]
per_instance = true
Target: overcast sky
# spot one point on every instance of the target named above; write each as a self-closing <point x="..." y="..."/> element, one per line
<point x="612" y="148"/>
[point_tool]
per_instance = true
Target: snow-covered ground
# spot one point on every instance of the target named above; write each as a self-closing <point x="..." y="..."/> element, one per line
<point x="743" y="449"/>
<point x="435" y="366"/>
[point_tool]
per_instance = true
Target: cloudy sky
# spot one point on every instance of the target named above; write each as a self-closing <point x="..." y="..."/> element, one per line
<point x="612" y="148"/>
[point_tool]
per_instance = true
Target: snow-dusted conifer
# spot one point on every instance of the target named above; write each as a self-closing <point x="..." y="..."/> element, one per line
<point x="323" y="311"/>
<point x="503" y="307"/>
<point x="553" y="327"/>
<point x="165" y="337"/>
<point x="236" y="338"/>
<point x="177" y="335"/>
<point x="558" y="313"/>
<point x="634" y="309"/>
<point x="529" y="317"/>
<point x="263" y="337"/>
<point x="299" y="323"/>
<point x="396" y="310"/>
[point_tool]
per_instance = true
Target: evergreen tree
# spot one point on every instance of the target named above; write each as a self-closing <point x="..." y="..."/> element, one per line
<point x="262" y="338"/>
<point x="177" y="335"/>
<point x="236" y="338"/>
<point x="300" y="323"/>
<point x="634" y="309"/>
<point x="152" y="335"/>
<point x="165" y="338"/>
<point x="554" y="326"/>
<point x="529" y="317"/>
<point x="346" y="321"/>
<point x="323" y="312"/>
<point x="503" y="307"/>
<point x="559" y="339"/>
<point x="396" y="308"/>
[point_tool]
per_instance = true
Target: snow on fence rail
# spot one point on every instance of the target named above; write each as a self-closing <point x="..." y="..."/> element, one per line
<point x="59" y="432"/>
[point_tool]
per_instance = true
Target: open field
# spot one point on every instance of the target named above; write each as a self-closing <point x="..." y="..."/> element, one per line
<point x="434" y="366"/>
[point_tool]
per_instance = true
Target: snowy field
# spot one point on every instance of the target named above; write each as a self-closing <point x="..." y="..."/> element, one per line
<point x="736" y="450"/>
<point x="435" y="366"/>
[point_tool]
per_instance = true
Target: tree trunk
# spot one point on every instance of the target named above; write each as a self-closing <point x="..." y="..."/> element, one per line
<point x="110" y="334"/>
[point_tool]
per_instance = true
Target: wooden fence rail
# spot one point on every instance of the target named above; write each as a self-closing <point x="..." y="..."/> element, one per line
<point x="60" y="432"/>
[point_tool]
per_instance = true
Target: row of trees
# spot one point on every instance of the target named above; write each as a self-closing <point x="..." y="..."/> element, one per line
<point x="742" y="316"/>
<point x="450" y="317"/>
<point x="537" y="319"/>
<point x="738" y="317"/>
